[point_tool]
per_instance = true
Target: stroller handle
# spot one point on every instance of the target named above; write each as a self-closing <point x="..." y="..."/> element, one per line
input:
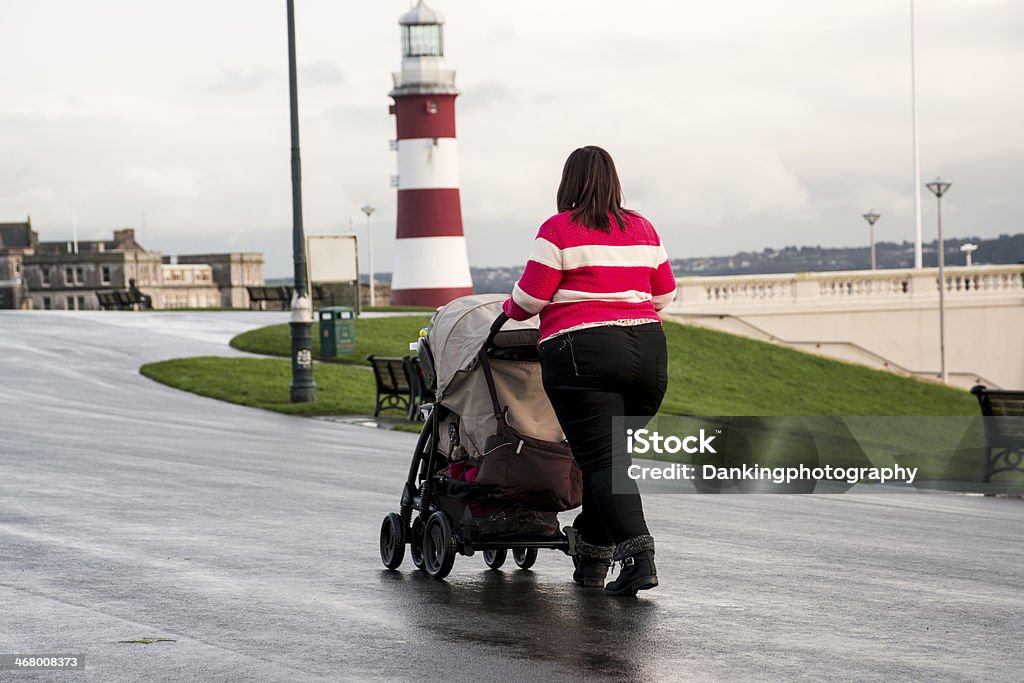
<point x="495" y="328"/>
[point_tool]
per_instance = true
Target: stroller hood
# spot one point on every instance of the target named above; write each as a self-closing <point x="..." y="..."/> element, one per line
<point x="456" y="334"/>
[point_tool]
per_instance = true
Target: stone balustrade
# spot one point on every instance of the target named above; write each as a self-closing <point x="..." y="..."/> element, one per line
<point x="884" y="287"/>
<point x="887" y="319"/>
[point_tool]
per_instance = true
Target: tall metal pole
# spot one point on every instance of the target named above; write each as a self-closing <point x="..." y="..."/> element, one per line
<point x="918" y="245"/>
<point x="303" y="389"/>
<point x="874" y="264"/>
<point x="369" y="245"/>
<point x="939" y="187"/>
<point x="942" y="299"/>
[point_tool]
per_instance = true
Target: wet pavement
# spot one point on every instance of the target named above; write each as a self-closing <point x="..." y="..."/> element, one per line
<point x="248" y="540"/>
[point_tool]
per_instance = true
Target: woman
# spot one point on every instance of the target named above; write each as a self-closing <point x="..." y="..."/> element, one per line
<point x="597" y="276"/>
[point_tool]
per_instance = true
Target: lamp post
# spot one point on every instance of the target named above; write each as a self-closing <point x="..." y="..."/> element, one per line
<point x="369" y="247"/>
<point x="968" y="250"/>
<point x="939" y="187"/>
<point x="871" y="217"/>
<point x="302" y="389"/>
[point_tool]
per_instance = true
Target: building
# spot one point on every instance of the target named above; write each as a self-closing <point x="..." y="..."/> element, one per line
<point x="67" y="275"/>
<point x="431" y="263"/>
<point x="15" y="240"/>
<point x="186" y="285"/>
<point x="232" y="273"/>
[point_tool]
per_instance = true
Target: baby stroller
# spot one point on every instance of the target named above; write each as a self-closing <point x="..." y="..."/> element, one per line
<point x="491" y="469"/>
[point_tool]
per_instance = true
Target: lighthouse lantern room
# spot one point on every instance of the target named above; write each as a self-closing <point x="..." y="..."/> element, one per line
<point x="431" y="264"/>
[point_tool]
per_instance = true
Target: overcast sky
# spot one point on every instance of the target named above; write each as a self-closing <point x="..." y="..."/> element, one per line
<point x="736" y="124"/>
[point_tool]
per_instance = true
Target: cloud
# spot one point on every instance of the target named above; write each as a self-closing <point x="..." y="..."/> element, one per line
<point x="483" y="95"/>
<point x="240" y="80"/>
<point x="736" y="125"/>
<point x="320" y="74"/>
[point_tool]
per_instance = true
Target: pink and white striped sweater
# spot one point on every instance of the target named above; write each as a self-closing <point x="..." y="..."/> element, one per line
<point x="578" y="277"/>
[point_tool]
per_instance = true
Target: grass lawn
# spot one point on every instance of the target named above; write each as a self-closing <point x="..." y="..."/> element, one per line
<point x="713" y="373"/>
<point x="263" y="383"/>
<point x="399" y="309"/>
<point x="381" y="336"/>
<point x="710" y="374"/>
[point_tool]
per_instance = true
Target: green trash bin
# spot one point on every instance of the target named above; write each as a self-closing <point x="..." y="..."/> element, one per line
<point x="337" y="331"/>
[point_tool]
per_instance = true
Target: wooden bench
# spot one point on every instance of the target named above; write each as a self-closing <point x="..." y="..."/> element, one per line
<point x="400" y="385"/>
<point x="1003" y="412"/>
<point x="123" y="300"/>
<point x="260" y="296"/>
<point x="278" y="297"/>
<point x="418" y="392"/>
<point x="257" y="295"/>
<point x="107" y="300"/>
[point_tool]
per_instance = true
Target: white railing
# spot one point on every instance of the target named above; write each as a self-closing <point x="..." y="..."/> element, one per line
<point x="758" y="288"/>
<point x="424" y="77"/>
<point x="871" y="286"/>
<point x="729" y="292"/>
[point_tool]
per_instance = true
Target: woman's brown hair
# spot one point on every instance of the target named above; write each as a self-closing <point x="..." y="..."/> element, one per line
<point x="590" y="189"/>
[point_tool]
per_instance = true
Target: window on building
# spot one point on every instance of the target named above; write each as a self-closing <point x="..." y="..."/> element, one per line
<point x="17" y="267"/>
<point x="69" y="276"/>
<point x="105" y="275"/>
<point x="81" y="303"/>
<point x="70" y="303"/>
<point x="46" y="303"/>
<point x="46" y="276"/>
<point x="79" y="275"/>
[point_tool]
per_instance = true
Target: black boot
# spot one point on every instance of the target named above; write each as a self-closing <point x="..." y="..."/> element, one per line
<point x="638" y="573"/>
<point x="592" y="563"/>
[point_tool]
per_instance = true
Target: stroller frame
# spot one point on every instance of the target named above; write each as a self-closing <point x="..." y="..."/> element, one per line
<point x="433" y="537"/>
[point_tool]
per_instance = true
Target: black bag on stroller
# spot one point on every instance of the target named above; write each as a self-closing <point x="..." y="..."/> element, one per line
<point x="540" y="474"/>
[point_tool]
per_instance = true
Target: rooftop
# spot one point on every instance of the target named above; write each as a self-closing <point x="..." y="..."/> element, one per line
<point x="419" y="15"/>
<point x="17" y="235"/>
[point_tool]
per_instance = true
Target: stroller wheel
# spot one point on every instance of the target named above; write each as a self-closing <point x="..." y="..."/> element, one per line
<point x="439" y="546"/>
<point x="392" y="541"/>
<point x="416" y="542"/>
<point x="495" y="558"/>
<point x="524" y="557"/>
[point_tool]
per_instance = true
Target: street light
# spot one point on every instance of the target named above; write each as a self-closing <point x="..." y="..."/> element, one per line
<point x="871" y="217"/>
<point x="939" y="187"/>
<point x="302" y="389"/>
<point x="968" y="250"/>
<point x="369" y="247"/>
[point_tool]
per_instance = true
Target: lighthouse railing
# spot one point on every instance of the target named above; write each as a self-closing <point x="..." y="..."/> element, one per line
<point x="444" y="77"/>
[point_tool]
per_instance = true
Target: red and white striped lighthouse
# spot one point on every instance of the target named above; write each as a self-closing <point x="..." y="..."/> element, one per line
<point x="431" y="264"/>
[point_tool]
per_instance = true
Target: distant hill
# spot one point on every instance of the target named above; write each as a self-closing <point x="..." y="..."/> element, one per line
<point x="997" y="250"/>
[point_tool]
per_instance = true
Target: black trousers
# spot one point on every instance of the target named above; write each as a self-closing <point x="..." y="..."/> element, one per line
<point x="591" y="376"/>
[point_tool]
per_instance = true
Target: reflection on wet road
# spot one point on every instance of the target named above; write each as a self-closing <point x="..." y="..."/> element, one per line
<point x="248" y="540"/>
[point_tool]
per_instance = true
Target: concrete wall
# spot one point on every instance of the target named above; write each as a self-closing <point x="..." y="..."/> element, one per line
<point x="887" y="319"/>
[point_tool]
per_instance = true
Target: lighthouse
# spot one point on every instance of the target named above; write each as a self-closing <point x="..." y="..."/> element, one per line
<point x="431" y="263"/>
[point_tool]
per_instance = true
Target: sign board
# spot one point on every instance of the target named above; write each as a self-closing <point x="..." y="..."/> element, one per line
<point x="332" y="258"/>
